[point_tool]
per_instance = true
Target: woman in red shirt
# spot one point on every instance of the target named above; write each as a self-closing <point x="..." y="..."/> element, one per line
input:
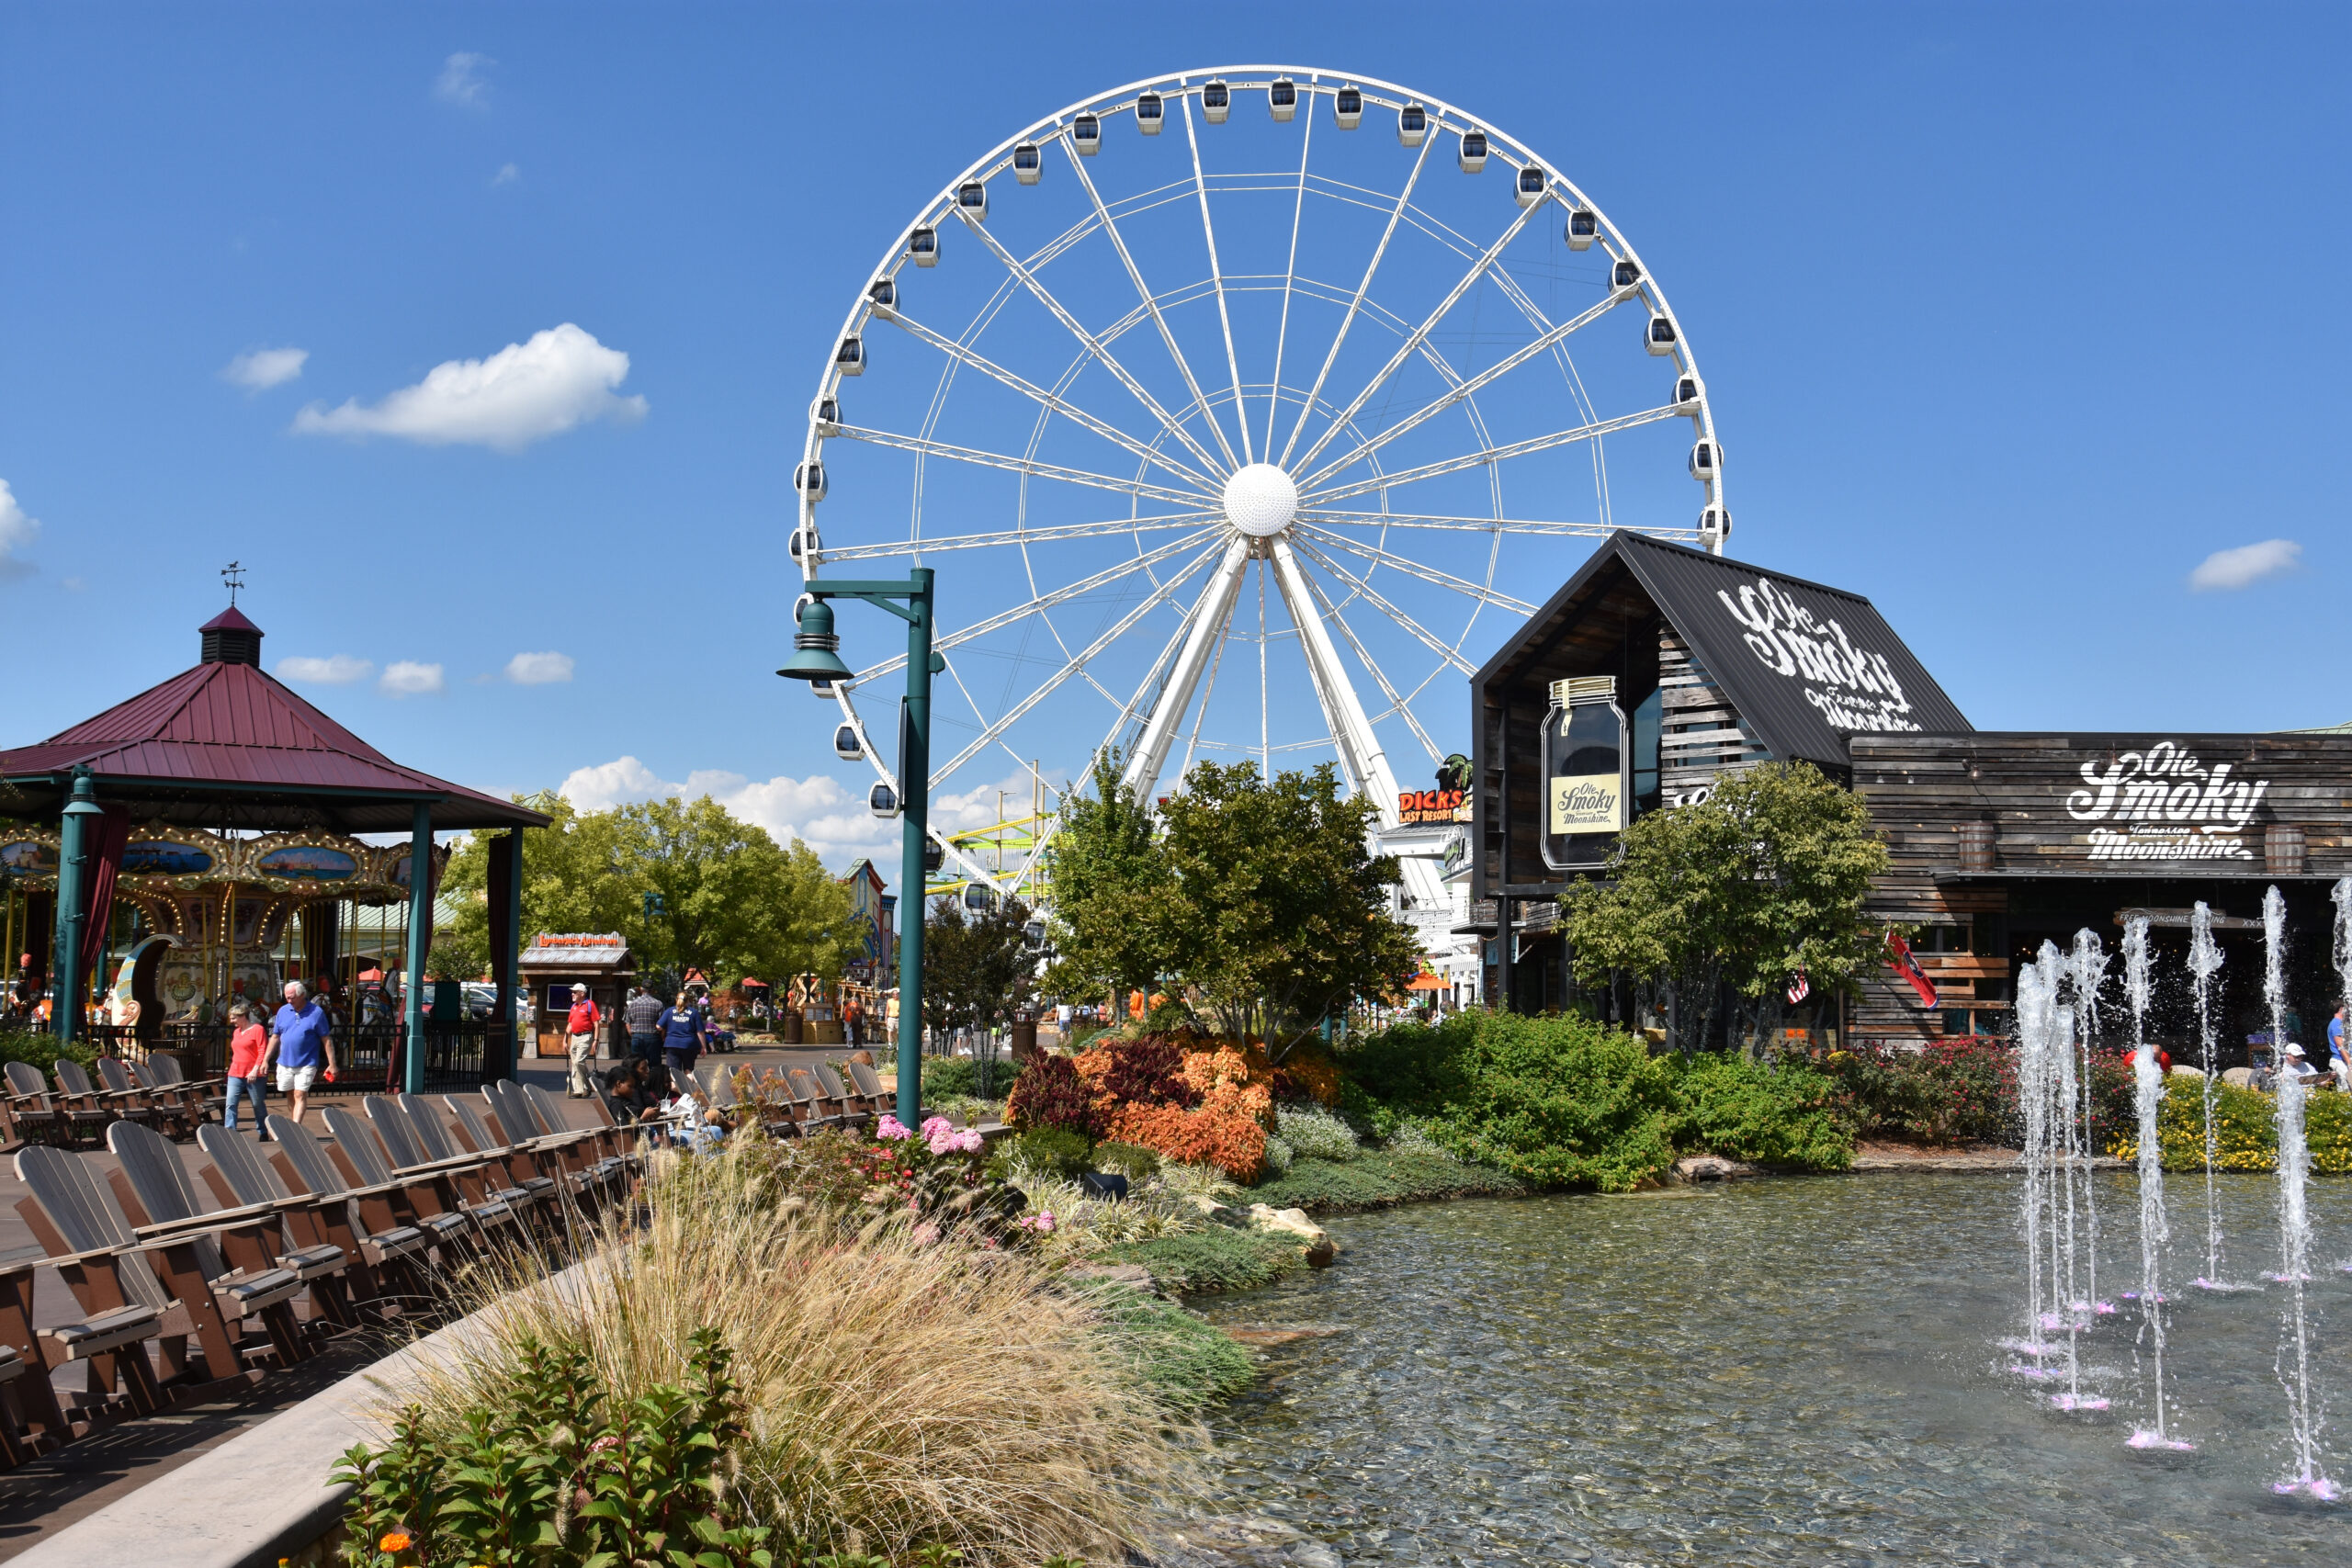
<point x="248" y="1041"/>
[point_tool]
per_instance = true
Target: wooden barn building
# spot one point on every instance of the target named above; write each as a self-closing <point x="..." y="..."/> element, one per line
<point x="1656" y="670"/>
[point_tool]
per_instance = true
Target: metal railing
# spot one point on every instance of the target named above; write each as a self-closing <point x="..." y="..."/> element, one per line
<point x="454" y="1053"/>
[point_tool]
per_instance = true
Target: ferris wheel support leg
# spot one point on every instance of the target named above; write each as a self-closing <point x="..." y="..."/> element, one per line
<point x="1360" y="747"/>
<point x="1208" y="622"/>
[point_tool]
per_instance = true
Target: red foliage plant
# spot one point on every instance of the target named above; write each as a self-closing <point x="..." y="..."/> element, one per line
<point x="1049" y="1093"/>
<point x="1150" y="1071"/>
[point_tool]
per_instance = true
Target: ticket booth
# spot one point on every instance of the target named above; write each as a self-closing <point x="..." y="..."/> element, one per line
<point x="555" y="968"/>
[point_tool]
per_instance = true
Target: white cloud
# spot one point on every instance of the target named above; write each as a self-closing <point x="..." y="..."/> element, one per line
<point x="17" y="531"/>
<point x="830" y="817"/>
<point x="264" y="368"/>
<point x="561" y="377"/>
<point x="539" y="669"/>
<point x="406" y="678"/>
<point x="336" y="670"/>
<point x="2246" y="565"/>
<point x="462" y="80"/>
<point x="508" y="174"/>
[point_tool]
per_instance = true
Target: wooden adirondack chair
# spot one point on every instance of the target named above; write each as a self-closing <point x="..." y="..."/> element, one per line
<point x="824" y="1110"/>
<point x="239" y="1177"/>
<point x="69" y="1124"/>
<point x="249" y="1242"/>
<point x="409" y="1128"/>
<point x="877" y="1099"/>
<point x="196" y="1102"/>
<point x="75" y="1089"/>
<point x="367" y="1162"/>
<point x="175" y="1276"/>
<point x="598" y="1151"/>
<point x="396" y="1241"/>
<point x="853" y="1105"/>
<point x="31" y="1423"/>
<point x="136" y="1104"/>
<point x="536" y="1170"/>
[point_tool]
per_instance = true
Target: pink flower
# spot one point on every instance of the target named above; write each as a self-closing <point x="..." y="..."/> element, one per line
<point x="935" y="1125"/>
<point x="891" y="1127"/>
<point x="1040" y="1222"/>
<point x="969" y="1141"/>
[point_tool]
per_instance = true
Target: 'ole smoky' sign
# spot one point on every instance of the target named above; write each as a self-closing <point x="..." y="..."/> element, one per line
<point x="2165" y="803"/>
<point x="1854" y="688"/>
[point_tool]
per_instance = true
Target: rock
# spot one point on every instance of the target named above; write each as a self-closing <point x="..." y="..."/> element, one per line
<point x="1714" y="1168"/>
<point x="1237" y="1540"/>
<point x="1320" y="1249"/>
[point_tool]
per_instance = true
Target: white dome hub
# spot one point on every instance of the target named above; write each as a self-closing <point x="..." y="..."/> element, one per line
<point x="1261" y="499"/>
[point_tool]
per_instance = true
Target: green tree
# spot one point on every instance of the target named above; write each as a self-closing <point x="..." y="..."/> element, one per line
<point x="1279" y="915"/>
<point x="1110" y="891"/>
<point x="734" y="902"/>
<point x="978" y="969"/>
<point x="1764" y="879"/>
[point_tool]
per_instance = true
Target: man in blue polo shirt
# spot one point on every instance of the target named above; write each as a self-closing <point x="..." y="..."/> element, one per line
<point x="301" y="1044"/>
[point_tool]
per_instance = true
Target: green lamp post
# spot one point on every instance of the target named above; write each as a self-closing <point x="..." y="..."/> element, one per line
<point x="76" y="849"/>
<point x="815" y="658"/>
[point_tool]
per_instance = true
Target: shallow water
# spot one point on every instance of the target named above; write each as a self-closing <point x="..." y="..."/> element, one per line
<point x="1792" y="1371"/>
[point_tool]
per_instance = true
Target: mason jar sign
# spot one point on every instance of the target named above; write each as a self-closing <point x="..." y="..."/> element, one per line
<point x="1585" y="754"/>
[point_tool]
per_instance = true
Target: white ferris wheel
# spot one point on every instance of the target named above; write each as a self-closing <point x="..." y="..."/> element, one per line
<point x="1241" y="412"/>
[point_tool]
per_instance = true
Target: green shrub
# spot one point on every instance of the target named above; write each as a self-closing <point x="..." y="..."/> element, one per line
<point x="1380" y="1179"/>
<point x="1769" y="1114"/>
<point x="1219" y="1259"/>
<point x="2246" y="1129"/>
<point x="1131" y="1160"/>
<point x="1051" y="1151"/>
<point x="1279" y="1153"/>
<point x="947" y="1076"/>
<point x="1187" y="1364"/>
<point x="1314" y="1133"/>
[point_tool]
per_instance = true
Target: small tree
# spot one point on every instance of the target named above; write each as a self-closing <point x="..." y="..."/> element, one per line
<point x="1763" y="881"/>
<point x="1280" y="913"/>
<point x="978" y="969"/>
<point x="1110" y="892"/>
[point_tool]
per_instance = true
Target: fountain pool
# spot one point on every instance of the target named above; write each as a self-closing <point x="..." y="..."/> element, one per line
<point x="1799" y="1371"/>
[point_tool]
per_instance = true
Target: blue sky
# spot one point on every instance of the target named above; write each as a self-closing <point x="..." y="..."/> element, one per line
<point x="2011" y="318"/>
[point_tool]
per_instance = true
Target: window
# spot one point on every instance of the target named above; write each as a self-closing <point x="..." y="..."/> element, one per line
<point x="1648" y="720"/>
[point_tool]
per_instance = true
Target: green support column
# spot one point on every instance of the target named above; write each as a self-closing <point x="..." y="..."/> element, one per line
<point x="420" y="929"/>
<point x="914" y="781"/>
<point x="513" y="981"/>
<point x="69" y="986"/>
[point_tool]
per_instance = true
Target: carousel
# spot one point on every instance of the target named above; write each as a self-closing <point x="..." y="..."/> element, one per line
<point x="216" y="836"/>
<point x="205" y="919"/>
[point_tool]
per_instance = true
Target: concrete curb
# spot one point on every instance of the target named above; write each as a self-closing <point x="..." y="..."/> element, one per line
<point x="263" y="1493"/>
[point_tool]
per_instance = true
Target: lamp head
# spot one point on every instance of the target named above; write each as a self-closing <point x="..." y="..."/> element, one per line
<point x="813" y="656"/>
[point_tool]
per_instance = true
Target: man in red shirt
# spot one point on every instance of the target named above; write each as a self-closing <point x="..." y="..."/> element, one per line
<point x="580" y="1025"/>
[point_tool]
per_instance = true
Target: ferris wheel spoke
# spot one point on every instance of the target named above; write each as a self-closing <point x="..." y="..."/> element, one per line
<point x="1412" y="568"/>
<point x="1420" y="335"/>
<point x="1216" y="275"/>
<point x="1360" y="751"/>
<point x="1093" y="346"/>
<point x="1290" y="276"/>
<point x="1151" y="601"/>
<point x="1060" y="405"/>
<point x="1329" y="518"/>
<point x="1208" y="690"/>
<point x="1151" y="300"/>
<point x="1018" y="465"/>
<point x="1374" y="597"/>
<point x="1050" y="535"/>
<point x="1204" y="628"/>
<point x="1493" y="373"/>
<point x="1330" y="357"/>
<point x="1398" y="704"/>
<point x="1059" y="597"/>
<point x="1485" y="456"/>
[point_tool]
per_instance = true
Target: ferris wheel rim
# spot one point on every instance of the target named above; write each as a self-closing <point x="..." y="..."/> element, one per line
<point x="1320" y="526"/>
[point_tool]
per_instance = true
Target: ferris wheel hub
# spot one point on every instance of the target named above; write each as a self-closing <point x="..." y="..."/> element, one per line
<point x="1261" y="499"/>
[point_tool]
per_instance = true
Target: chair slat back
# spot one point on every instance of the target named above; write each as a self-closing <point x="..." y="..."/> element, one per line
<point x="72" y="1077"/>
<point x="241" y="1166"/>
<point x="830" y="1082"/>
<point x="471" y="1120"/>
<point x="24" y="1080"/>
<point x="359" y="1144"/>
<point x="804" y="1084"/>
<point x="389" y="1118"/>
<point x="545" y="1111"/>
<point x="154" y="1173"/>
<point x="722" y="1087"/>
<point x="87" y="1217"/>
<point x="513" y="1122"/>
<point x="426" y="1127"/>
<point x="867" y="1083"/>
<point x="115" y="1076"/>
<point x="308" y="1156"/>
<point x="165" y="1070"/>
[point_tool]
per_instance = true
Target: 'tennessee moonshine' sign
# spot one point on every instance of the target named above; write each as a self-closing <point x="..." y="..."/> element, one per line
<point x="2165" y="803"/>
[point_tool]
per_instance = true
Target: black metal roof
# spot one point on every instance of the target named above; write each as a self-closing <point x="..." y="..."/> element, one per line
<point x="1805" y="664"/>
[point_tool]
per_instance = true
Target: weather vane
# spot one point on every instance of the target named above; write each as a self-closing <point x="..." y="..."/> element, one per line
<point x="234" y="574"/>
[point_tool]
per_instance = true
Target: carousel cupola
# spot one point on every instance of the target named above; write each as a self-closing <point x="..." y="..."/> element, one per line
<point x="230" y="638"/>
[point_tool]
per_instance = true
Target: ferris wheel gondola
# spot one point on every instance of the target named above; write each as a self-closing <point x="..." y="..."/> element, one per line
<point x="1243" y="446"/>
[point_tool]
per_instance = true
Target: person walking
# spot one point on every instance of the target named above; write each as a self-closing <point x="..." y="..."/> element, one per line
<point x="248" y="1043"/>
<point x="2339" y="1051"/>
<point x="579" y="1031"/>
<point x="681" y="1028"/>
<point x="642" y="1019"/>
<point x="302" y="1045"/>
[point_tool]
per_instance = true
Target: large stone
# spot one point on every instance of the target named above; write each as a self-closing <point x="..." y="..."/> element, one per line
<point x="1320" y="1249"/>
<point x="1714" y="1168"/>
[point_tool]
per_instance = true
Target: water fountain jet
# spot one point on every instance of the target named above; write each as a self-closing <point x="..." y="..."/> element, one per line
<point x="2294" y="1219"/>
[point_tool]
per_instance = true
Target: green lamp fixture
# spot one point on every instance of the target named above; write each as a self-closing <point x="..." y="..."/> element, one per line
<point x="814" y="655"/>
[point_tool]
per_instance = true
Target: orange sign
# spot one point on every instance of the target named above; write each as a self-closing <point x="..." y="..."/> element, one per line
<point x="1432" y="805"/>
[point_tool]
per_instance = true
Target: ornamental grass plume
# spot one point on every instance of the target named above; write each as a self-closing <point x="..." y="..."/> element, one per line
<point x="900" y="1390"/>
